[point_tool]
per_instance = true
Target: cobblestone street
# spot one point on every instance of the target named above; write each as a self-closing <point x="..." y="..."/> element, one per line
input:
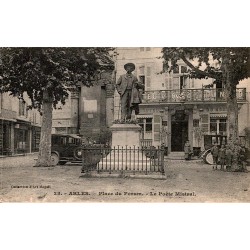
<point x="191" y="181"/>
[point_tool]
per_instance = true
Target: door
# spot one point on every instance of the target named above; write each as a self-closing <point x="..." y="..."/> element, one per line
<point x="179" y="132"/>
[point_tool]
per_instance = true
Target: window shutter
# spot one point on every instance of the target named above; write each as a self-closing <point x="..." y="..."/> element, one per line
<point x="157" y="127"/>
<point x="1" y="136"/>
<point x="205" y="123"/>
<point x="141" y="70"/>
<point x="148" y="78"/>
<point x="170" y="83"/>
<point x="176" y="83"/>
<point x="148" y="71"/>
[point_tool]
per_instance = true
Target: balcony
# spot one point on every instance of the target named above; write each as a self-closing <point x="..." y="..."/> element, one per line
<point x="190" y="95"/>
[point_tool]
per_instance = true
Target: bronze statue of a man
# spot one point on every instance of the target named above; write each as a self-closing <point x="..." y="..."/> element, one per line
<point x="128" y="88"/>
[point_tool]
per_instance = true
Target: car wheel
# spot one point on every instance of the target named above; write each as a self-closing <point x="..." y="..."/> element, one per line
<point x="62" y="162"/>
<point x="209" y="158"/>
<point x="78" y="154"/>
<point x="54" y="159"/>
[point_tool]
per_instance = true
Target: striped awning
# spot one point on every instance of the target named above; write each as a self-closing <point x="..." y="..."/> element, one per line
<point x="218" y="115"/>
<point x="145" y="116"/>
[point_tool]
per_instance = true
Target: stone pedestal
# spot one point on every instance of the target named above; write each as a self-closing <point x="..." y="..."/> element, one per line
<point x="125" y="135"/>
<point x="126" y="153"/>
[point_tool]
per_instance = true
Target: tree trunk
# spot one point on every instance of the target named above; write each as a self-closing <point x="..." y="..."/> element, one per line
<point x="44" y="154"/>
<point x="232" y="106"/>
<point x="232" y="111"/>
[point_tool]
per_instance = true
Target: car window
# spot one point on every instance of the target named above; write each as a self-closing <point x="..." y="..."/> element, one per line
<point x="74" y="141"/>
<point x="55" y="140"/>
<point x="71" y="140"/>
<point x="63" y="140"/>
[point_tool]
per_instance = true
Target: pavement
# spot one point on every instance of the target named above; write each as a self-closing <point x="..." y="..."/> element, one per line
<point x="184" y="181"/>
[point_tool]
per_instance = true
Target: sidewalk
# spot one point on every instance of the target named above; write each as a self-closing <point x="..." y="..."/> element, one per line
<point x="16" y="155"/>
<point x="186" y="181"/>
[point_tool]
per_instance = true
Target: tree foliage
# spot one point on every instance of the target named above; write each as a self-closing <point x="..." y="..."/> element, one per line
<point x="46" y="75"/>
<point x="208" y="62"/>
<point x="33" y="70"/>
<point x="227" y="66"/>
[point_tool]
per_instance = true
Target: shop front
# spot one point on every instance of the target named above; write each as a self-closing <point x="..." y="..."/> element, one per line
<point x="6" y="137"/>
<point x="22" y="137"/>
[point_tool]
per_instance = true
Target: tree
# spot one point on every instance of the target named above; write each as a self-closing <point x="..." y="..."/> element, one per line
<point x="46" y="75"/>
<point x="226" y="66"/>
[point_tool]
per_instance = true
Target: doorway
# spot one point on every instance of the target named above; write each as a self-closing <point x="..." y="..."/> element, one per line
<point x="179" y="133"/>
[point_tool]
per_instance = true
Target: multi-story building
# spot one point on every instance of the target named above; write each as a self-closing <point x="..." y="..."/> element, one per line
<point x="19" y="128"/>
<point x="88" y="111"/>
<point x="65" y="119"/>
<point x="176" y="108"/>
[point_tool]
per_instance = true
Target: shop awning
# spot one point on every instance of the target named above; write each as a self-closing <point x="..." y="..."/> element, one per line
<point x="8" y="119"/>
<point x="23" y="121"/>
<point x="144" y="116"/>
<point x="218" y="115"/>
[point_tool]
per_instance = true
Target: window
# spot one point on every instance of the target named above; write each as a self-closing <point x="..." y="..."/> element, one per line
<point x="183" y="69"/>
<point x="142" y="79"/>
<point x="63" y="140"/>
<point x="196" y="123"/>
<point x="148" y="71"/>
<point x="192" y="83"/>
<point x="141" y="70"/>
<point x="218" y="126"/>
<point x="170" y="83"/>
<point x="148" y="82"/>
<point x="145" y="49"/>
<point x="222" y="125"/>
<point x="22" y="107"/>
<point x="176" y="83"/>
<point x="141" y="122"/>
<point x="148" y="77"/>
<point x="213" y="125"/>
<point x="71" y="140"/>
<point x="181" y="82"/>
<point x="142" y="74"/>
<point x="148" y="125"/>
<point x="176" y="70"/>
<point x="147" y="128"/>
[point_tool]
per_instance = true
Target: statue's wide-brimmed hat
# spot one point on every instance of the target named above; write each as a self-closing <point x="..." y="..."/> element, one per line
<point x="129" y="64"/>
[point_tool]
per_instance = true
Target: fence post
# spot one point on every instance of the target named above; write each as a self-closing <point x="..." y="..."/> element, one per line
<point x="162" y="159"/>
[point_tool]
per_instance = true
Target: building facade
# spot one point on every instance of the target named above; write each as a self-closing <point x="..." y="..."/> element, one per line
<point x="19" y="128"/>
<point x="65" y="118"/>
<point x="176" y="108"/>
<point x="88" y="111"/>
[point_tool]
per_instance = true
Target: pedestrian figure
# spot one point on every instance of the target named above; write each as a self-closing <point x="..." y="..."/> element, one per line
<point x="228" y="158"/>
<point x="215" y="154"/>
<point x="187" y="150"/>
<point x="128" y="88"/>
<point x="222" y="156"/>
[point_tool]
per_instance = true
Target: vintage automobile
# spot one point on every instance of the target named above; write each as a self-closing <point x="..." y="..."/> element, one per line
<point x="65" y="148"/>
<point x="69" y="148"/>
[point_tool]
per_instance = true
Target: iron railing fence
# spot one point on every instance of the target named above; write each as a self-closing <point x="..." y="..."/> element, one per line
<point x="123" y="159"/>
<point x="146" y="143"/>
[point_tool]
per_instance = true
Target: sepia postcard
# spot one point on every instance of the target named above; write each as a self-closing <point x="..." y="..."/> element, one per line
<point x="138" y="129"/>
<point x="124" y="147"/>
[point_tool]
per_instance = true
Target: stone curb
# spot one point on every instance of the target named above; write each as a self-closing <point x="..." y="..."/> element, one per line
<point x="123" y="175"/>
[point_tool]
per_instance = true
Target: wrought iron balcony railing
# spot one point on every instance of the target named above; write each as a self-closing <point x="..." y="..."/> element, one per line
<point x="190" y="95"/>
